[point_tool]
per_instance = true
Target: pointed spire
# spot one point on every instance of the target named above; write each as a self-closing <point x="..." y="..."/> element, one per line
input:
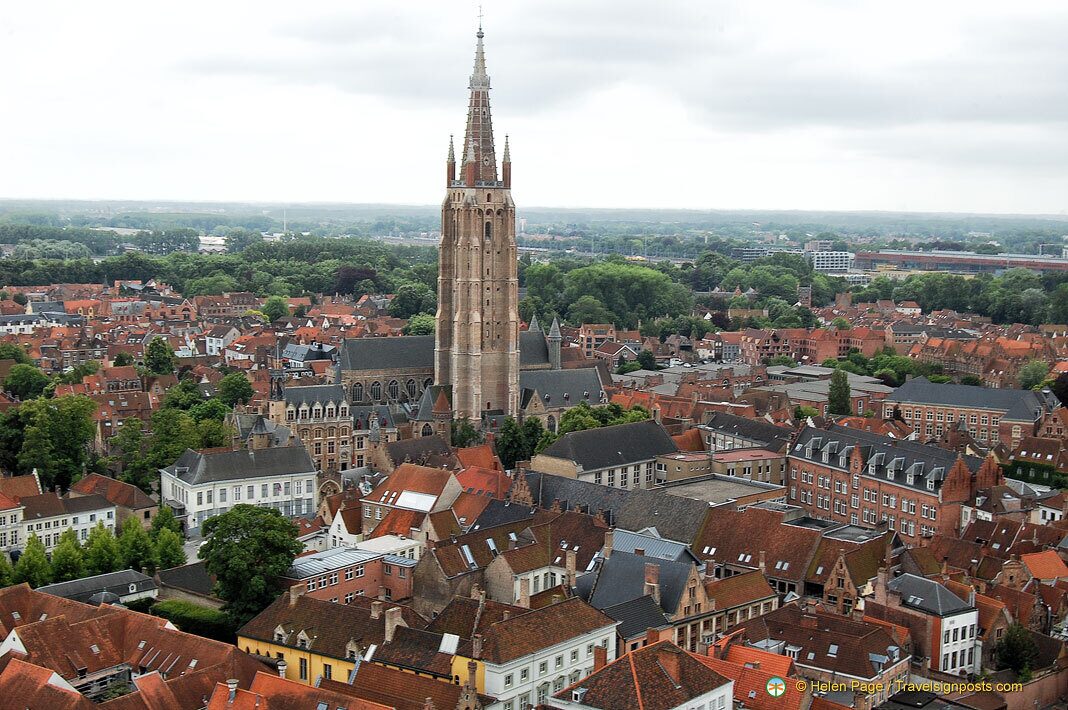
<point x="479" y="78"/>
<point x="452" y="151"/>
<point x="478" y="138"/>
<point x="507" y="151"/>
<point x="554" y="330"/>
<point x="534" y="326"/>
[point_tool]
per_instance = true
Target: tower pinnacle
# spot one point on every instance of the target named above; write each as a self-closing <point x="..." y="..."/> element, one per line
<point x="478" y="138"/>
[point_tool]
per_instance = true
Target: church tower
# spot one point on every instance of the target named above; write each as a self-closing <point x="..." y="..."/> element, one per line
<point x="477" y="339"/>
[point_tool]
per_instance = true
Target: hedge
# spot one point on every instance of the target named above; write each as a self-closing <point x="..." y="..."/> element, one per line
<point x="196" y="619"/>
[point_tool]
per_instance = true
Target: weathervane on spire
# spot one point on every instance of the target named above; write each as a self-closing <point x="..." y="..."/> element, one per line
<point x="479" y="18"/>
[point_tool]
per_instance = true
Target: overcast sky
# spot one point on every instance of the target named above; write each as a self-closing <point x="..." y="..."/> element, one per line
<point x="937" y="106"/>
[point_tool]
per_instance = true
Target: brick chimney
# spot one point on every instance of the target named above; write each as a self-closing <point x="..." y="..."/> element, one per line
<point x="524" y="593"/>
<point x="376" y="609"/>
<point x="600" y="657"/>
<point x="668" y="657"/>
<point x="609" y="536"/>
<point x="570" y="560"/>
<point x="476" y="647"/>
<point x="762" y="564"/>
<point x="880" y="586"/>
<point x="652" y="581"/>
<point x="652" y="636"/>
<point x="393" y="620"/>
<point x="294" y="593"/>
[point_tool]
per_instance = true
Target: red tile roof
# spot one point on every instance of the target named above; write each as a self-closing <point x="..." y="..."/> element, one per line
<point x="1045" y="565"/>
<point x="751" y="683"/>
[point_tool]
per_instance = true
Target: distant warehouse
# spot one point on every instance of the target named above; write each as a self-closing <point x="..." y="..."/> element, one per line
<point x="960" y="262"/>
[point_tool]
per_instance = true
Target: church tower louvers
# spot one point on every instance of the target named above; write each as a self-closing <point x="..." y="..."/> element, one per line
<point x="477" y="338"/>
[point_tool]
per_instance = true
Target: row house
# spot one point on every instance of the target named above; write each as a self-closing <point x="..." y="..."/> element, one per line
<point x="621" y="456"/>
<point x="321" y="418"/>
<point x="857" y="477"/>
<point x="341" y="574"/>
<point x="591" y="336"/>
<point x="992" y="416"/>
<point x="48" y="516"/>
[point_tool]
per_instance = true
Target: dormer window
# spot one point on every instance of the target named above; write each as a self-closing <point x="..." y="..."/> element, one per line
<point x="930" y="484"/>
<point x="910" y="479"/>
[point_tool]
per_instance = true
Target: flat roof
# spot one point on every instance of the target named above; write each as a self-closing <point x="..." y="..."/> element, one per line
<point x="731" y="455"/>
<point x="717" y="489"/>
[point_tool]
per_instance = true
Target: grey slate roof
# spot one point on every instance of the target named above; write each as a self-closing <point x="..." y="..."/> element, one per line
<point x="619" y="445"/>
<point x="901" y="457"/>
<point x="927" y="595"/>
<point x="245" y="423"/>
<point x="563" y="387"/>
<point x="416" y="352"/>
<point x="674" y="517"/>
<point x="652" y="545"/>
<point x="195" y="467"/>
<point x="310" y="394"/>
<point x="637" y="616"/>
<point x="766" y="434"/>
<point x="500" y="512"/>
<point x="193" y="577"/>
<point x="621" y="578"/>
<point x="118" y="583"/>
<point x="1021" y="405"/>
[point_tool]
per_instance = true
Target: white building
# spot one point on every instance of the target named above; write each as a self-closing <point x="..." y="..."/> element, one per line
<point x="831" y="262"/>
<point x="48" y="516"/>
<point x="202" y="484"/>
<point x="558" y="648"/>
<point x="954" y="623"/>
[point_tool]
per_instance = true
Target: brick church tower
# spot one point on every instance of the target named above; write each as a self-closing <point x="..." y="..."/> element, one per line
<point x="477" y="339"/>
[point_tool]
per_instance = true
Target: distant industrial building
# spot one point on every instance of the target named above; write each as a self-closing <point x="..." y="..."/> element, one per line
<point x="960" y="262"/>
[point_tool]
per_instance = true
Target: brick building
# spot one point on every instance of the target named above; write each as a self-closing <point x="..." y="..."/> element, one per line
<point x="341" y="574"/>
<point x="861" y="478"/>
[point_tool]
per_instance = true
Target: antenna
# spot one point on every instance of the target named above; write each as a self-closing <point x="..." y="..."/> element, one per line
<point x="480" y="18"/>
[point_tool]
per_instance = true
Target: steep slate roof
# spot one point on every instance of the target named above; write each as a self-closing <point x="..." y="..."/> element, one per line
<point x="619" y="445"/>
<point x="561" y="386"/>
<point x="621" y="578"/>
<point x="1024" y="405"/>
<point x="652" y="545"/>
<point x="927" y="595"/>
<point x="673" y="517"/>
<point x="48" y="505"/>
<point x="192" y="577"/>
<point x="115" y="582"/>
<point x="310" y="394"/>
<point x="637" y="616"/>
<point x="640" y="679"/>
<point x="769" y="435"/>
<point x="209" y="466"/>
<point x="465" y="617"/>
<point x="416" y="352"/>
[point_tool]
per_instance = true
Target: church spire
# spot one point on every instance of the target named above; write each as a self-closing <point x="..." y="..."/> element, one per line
<point x="450" y="164"/>
<point x="478" y="139"/>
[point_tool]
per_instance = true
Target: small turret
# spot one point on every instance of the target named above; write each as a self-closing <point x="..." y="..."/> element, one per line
<point x="450" y="165"/>
<point x="553" y="339"/>
<point x="506" y="164"/>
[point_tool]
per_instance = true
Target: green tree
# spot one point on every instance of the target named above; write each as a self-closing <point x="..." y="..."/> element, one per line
<point x="160" y="358"/>
<point x="411" y="299"/>
<point x="248" y="549"/>
<point x="1016" y="650"/>
<point x="970" y="380"/>
<point x="782" y="360"/>
<point x="168" y="549"/>
<point x="420" y="324"/>
<point x="1030" y="375"/>
<point x="173" y="431"/>
<point x="135" y="547"/>
<point x="511" y="444"/>
<point x="275" y="308"/>
<point x="235" y="388"/>
<point x="127" y="448"/>
<point x="102" y="553"/>
<point x="464" y="434"/>
<point x="25" y="381"/>
<point x="11" y="351"/>
<point x="1060" y="388"/>
<point x="7" y="574"/>
<point x="33" y="567"/>
<point x="68" y="560"/>
<point x="123" y="359"/>
<point x="647" y="360"/>
<point x="587" y="309"/>
<point x="802" y="412"/>
<point x="840" y="323"/>
<point x="838" y="398"/>
<point x="165" y="520"/>
<point x="209" y="409"/>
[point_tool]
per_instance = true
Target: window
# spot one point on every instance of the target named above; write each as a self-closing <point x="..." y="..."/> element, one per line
<point x="543" y="668"/>
<point x="524" y="675"/>
<point x="559" y="662"/>
<point x="304" y="669"/>
<point x="508" y="681"/>
<point x="250" y="493"/>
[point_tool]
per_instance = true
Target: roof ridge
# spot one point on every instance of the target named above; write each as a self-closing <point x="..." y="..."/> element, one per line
<point x="637" y="685"/>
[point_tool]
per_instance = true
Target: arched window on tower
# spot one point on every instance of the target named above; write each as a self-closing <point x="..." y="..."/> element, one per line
<point x="428" y="430"/>
<point x="393" y="389"/>
<point x="376" y="390"/>
<point x="551" y="424"/>
<point x="489" y="231"/>
<point x="410" y="386"/>
<point x="357" y="392"/>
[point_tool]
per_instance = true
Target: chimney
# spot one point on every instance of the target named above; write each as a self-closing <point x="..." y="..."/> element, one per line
<point x="376" y="609"/>
<point x="668" y="656"/>
<point x="294" y="593"/>
<point x="506" y="615"/>
<point x="652" y="636"/>
<point x="428" y="704"/>
<point x="600" y="657"/>
<point x="231" y="685"/>
<point x="524" y="593"/>
<point x="640" y="552"/>
<point x="393" y="620"/>
<point x="570" y="561"/>
<point x="763" y="566"/>
<point x="945" y="565"/>
<point x="880" y="586"/>
<point x="652" y="581"/>
<point x="282" y="666"/>
<point x="472" y="674"/>
<point x="609" y="535"/>
<point x="476" y="647"/>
